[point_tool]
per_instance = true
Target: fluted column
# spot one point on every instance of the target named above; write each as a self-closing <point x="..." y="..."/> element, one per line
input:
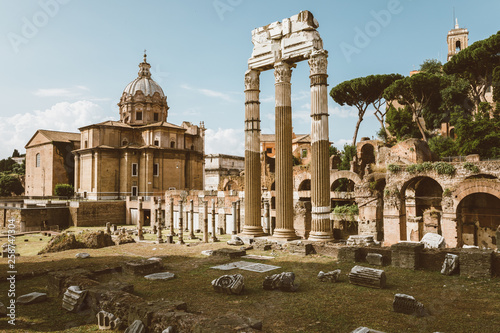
<point x="320" y="176"/>
<point x="284" y="178"/>
<point x="181" y="238"/>
<point x="172" y="217"/>
<point x="77" y="173"/>
<point x="253" y="227"/>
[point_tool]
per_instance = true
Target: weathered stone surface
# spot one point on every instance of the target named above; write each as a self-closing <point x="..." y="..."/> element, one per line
<point x="365" y="330"/>
<point x="360" y="240"/>
<point x="136" y="327"/>
<point x="349" y="254"/>
<point x="407" y="304"/>
<point x="31" y="298"/>
<point x="262" y="245"/>
<point x="367" y="277"/>
<point x="82" y="255"/>
<point x="450" y="264"/>
<point x="142" y="267"/>
<point x="235" y="241"/>
<point x="96" y="240"/>
<point x="123" y="239"/>
<point x="406" y="254"/>
<point x="332" y="276"/>
<point x="230" y="253"/>
<point x="283" y="281"/>
<point x="229" y="284"/>
<point x="107" y="321"/>
<point x="375" y="259"/>
<point x="207" y="253"/>
<point x="58" y="282"/>
<point x="73" y="299"/>
<point x="300" y="247"/>
<point x="433" y="241"/>
<point x="160" y="276"/>
<point x="476" y="263"/>
<point x="62" y="242"/>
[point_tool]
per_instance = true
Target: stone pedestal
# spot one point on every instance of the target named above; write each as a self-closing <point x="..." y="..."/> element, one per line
<point x="406" y="254"/>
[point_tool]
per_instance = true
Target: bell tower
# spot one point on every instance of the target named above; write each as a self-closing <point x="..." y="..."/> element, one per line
<point x="458" y="39"/>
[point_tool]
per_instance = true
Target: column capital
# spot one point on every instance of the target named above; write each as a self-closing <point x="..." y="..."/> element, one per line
<point x="282" y="72"/>
<point x="252" y="81"/>
<point x="318" y="62"/>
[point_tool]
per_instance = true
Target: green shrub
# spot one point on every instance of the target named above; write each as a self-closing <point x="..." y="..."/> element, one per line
<point x="413" y="168"/>
<point x="393" y="168"/>
<point x="349" y="211"/>
<point x="446" y="192"/>
<point x="444" y="168"/>
<point x="64" y="190"/>
<point x="471" y="167"/>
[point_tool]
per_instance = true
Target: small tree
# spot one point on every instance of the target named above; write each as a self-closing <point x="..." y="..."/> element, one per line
<point x="10" y="185"/>
<point x="64" y="190"/>
<point x="16" y="153"/>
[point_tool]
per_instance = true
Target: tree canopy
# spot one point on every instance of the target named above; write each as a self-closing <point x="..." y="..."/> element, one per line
<point x="362" y="92"/>
<point x="476" y="65"/>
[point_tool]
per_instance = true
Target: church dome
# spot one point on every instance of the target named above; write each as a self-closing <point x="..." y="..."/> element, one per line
<point x="144" y="82"/>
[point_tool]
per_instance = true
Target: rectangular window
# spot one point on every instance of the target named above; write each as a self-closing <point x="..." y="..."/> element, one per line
<point x="156" y="169"/>
<point x="157" y="143"/>
<point x="138" y="116"/>
<point x="38" y="160"/>
<point x="304" y="153"/>
<point x="156" y="116"/>
<point x="134" y="169"/>
<point x="134" y="191"/>
<point x="269" y="150"/>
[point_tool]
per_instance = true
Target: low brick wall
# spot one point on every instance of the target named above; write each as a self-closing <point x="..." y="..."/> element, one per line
<point x="96" y="213"/>
<point x="36" y="218"/>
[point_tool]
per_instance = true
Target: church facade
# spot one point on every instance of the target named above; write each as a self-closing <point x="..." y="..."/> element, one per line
<point x="141" y="154"/>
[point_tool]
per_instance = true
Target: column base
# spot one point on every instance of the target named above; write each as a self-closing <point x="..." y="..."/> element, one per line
<point x="252" y="231"/>
<point x="285" y="234"/>
<point x="320" y="236"/>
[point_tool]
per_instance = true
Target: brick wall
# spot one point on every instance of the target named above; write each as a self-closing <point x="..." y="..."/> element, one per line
<point x="96" y="213"/>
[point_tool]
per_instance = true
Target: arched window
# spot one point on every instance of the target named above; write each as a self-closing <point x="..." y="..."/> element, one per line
<point x="38" y="160"/>
<point x="457" y="46"/>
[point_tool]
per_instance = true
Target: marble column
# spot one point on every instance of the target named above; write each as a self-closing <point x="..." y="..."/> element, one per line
<point x="205" y="221"/>
<point x="284" y="178"/>
<point x="235" y="221"/>
<point x="77" y="173"/>
<point x="320" y="173"/>
<point x="140" y="220"/>
<point x="214" y="238"/>
<point x="267" y="219"/>
<point x="159" y="222"/>
<point x="238" y="213"/>
<point x="253" y="227"/>
<point x="172" y="217"/>
<point x="191" y="220"/>
<point x="181" y="239"/>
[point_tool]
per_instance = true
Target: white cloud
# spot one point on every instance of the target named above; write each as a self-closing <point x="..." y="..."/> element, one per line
<point x="341" y="142"/>
<point x="209" y="92"/>
<point x="343" y="111"/>
<point x="225" y="141"/>
<point x="16" y="130"/>
<point x="61" y="92"/>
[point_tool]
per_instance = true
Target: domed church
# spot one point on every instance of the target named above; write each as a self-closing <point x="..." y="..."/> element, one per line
<point x="142" y="154"/>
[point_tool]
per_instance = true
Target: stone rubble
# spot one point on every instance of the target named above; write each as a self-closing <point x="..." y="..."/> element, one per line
<point x="229" y="284"/>
<point x="136" y="327"/>
<point x="31" y="298"/>
<point x="73" y="299"/>
<point x="332" y="276"/>
<point x="360" y="240"/>
<point x="375" y="259"/>
<point x="450" y="264"/>
<point x="433" y="241"/>
<point x="160" y="276"/>
<point x="367" y="277"/>
<point x="107" y="321"/>
<point x="282" y="281"/>
<point x="407" y="304"/>
<point x="82" y="255"/>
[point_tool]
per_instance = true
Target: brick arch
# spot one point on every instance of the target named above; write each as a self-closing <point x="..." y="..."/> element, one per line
<point x="476" y="186"/>
<point x="345" y="174"/>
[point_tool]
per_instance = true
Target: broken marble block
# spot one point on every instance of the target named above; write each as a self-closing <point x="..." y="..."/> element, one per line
<point x="160" y="276"/>
<point x="31" y="298"/>
<point x="407" y="304"/>
<point x="107" y="321"/>
<point x="235" y="241"/>
<point x="82" y="255"/>
<point x="450" y="264"/>
<point x="229" y="284"/>
<point x="136" y="327"/>
<point x="332" y="276"/>
<point x="433" y="241"/>
<point x="375" y="259"/>
<point x="367" y="277"/>
<point x="283" y="281"/>
<point x="73" y="299"/>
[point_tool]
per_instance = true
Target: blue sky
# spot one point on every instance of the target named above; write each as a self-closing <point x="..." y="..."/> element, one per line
<point x="65" y="63"/>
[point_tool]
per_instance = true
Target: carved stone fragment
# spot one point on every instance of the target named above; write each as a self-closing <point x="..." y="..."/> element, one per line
<point x="73" y="299"/>
<point x="283" y="281"/>
<point x="229" y="284"/>
<point x="332" y="276"/>
<point x="408" y="305"/>
<point x="367" y="277"/>
<point x="450" y="264"/>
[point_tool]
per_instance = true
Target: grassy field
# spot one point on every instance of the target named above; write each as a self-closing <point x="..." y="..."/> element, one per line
<point x="457" y="304"/>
